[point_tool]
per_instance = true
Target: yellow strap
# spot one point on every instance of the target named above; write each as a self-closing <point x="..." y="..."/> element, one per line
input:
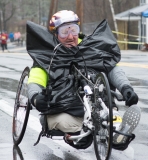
<point x="117" y="119"/>
<point x="39" y="76"/>
<point x="130" y="42"/>
<point x="128" y="34"/>
<point x="79" y="40"/>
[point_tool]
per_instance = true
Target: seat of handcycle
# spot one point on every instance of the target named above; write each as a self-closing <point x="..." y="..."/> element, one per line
<point x="84" y="143"/>
<point x="50" y="133"/>
<point x="54" y="132"/>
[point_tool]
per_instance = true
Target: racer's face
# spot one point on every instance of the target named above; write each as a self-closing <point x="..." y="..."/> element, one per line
<point x="68" y="35"/>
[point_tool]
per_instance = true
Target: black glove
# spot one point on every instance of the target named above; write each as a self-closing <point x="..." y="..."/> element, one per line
<point x="40" y="102"/>
<point x="129" y="95"/>
<point x="81" y="35"/>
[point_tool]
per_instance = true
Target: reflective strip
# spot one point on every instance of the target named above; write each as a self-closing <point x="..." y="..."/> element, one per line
<point x="39" y="76"/>
<point x="117" y="119"/>
<point x="79" y="40"/>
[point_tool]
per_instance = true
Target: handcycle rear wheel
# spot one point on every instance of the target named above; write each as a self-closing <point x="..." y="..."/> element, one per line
<point x="103" y="133"/>
<point x="21" y="109"/>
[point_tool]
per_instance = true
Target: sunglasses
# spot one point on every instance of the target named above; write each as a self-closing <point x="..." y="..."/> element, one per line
<point x="65" y="30"/>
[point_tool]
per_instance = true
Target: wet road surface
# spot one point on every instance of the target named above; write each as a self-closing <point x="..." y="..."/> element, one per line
<point x="11" y="67"/>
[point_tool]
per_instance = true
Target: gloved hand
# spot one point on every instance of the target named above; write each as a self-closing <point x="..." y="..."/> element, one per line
<point x="40" y="102"/>
<point x="129" y="95"/>
<point x="81" y="35"/>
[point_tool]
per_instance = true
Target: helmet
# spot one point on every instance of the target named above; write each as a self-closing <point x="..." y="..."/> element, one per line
<point x="62" y="17"/>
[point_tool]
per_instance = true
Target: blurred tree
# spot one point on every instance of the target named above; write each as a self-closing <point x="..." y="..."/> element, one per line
<point x="6" y="14"/>
<point x="34" y="10"/>
<point x="53" y="8"/>
<point x="19" y="11"/>
<point x="16" y="12"/>
<point x="123" y="5"/>
<point x="113" y="15"/>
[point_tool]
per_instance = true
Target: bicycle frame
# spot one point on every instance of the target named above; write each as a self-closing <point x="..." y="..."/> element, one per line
<point x="87" y="117"/>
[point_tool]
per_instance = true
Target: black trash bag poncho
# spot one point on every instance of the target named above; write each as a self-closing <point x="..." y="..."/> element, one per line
<point x="100" y="51"/>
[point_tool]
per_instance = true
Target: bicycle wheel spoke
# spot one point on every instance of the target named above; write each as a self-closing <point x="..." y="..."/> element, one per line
<point x="21" y="109"/>
<point x="102" y="108"/>
<point x="21" y="113"/>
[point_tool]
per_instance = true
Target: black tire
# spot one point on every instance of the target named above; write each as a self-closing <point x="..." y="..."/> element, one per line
<point x="103" y="133"/>
<point x="21" y="109"/>
<point x="17" y="153"/>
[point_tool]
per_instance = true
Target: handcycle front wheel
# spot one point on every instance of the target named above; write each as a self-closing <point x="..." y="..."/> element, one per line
<point x="103" y="133"/>
<point x="21" y="109"/>
<point x="17" y="153"/>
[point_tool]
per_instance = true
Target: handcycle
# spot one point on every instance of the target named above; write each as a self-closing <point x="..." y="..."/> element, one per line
<point x="96" y="97"/>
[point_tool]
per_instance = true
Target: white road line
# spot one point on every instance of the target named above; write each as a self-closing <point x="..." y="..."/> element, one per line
<point x="86" y="154"/>
<point x="132" y="65"/>
<point x="33" y="122"/>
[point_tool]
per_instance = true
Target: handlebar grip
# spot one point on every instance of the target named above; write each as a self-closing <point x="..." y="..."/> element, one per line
<point x="119" y="97"/>
<point x="47" y="92"/>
